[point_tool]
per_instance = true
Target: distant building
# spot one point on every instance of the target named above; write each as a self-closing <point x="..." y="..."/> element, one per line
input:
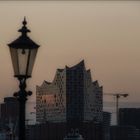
<point x="129" y="125"/>
<point x="72" y="97"/>
<point x="106" y="125"/>
<point x="129" y="116"/>
<point x="9" y="110"/>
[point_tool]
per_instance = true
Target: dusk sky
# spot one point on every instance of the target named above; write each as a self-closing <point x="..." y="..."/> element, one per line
<point x="105" y="34"/>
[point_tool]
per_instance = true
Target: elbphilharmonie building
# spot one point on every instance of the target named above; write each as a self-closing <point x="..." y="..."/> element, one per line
<point x="71" y="97"/>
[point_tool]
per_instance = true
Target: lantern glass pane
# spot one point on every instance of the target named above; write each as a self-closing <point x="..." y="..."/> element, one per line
<point x="32" y="56"/>
<point x="14" y="57"/>
<point x="23" y="58"/>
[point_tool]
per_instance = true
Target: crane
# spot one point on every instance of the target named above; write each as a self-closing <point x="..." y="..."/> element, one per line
<point x="117" y="96"/>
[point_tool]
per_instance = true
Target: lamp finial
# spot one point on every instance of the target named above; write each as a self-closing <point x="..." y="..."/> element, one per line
<point x="24" y="30"/>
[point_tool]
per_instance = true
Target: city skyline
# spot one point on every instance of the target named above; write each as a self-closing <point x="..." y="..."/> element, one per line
<point x="105" y="34"/>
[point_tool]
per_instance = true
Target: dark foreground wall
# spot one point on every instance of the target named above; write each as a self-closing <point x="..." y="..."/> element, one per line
<point x="124" y="133"/>
<point x="57" y="131"/>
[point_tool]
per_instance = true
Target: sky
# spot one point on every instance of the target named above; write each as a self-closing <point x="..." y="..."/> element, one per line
<point x="105" y="34"/>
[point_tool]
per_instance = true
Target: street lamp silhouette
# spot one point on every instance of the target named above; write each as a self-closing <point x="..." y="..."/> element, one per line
<point x="23" y="53"/>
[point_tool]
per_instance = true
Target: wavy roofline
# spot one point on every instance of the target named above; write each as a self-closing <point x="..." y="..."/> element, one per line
<point x="47" y="82"/>
<point x="60" y="70"/>
<point x="81" y="63"/>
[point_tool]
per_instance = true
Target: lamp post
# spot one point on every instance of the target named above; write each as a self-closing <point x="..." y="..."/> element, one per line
<point x="23" y="52"/>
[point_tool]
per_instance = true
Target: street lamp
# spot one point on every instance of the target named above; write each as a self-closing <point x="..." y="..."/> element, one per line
<point x="23" y="53"/>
